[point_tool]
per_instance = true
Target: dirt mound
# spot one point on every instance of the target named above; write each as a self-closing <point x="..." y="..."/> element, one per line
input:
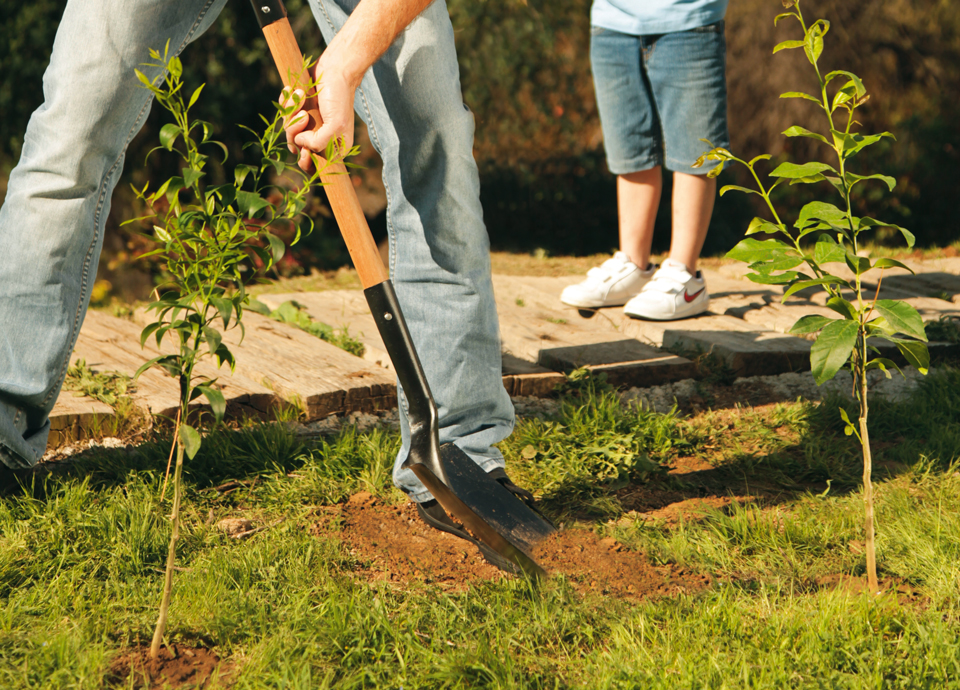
<point x="178" y="666"/>
<point x="400" y="548"/>
<point x="603" y="566"/>
<point x="393" y="544"/>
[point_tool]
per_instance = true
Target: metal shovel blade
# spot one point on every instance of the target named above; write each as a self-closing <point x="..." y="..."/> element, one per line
<point x="490" y="512"/>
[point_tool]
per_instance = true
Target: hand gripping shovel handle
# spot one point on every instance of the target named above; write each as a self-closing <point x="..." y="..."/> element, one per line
<point x="484" y="507"/>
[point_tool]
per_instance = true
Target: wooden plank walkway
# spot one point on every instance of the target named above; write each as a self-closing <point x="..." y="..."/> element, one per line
<point x="279" y="364"/>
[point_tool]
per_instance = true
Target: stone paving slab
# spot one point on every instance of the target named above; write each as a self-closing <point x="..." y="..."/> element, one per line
<point x="746" y="328"/>
<point x="74" y="416"/>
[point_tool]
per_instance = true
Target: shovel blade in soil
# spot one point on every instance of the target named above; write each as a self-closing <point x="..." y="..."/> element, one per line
<point x="490" y="512"/>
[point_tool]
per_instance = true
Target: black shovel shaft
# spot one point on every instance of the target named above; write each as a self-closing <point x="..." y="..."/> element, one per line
<point x="420" y="407"/>
<point x="268" y="11"/>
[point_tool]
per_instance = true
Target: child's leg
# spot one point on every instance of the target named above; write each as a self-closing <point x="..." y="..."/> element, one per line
<point x="638" y="196"/>
<point x="693" y="197"/>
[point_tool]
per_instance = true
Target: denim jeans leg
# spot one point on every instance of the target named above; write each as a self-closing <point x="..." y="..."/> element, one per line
<point x="439" y="248"/>
<point x="58" y="196"/>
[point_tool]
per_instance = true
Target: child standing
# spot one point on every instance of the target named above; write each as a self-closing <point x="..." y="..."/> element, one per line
<point x="659" y="75"/>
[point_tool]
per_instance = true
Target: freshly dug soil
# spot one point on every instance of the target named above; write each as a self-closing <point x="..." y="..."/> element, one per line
<point x="602" y="566"/>
<point x="393" y="544"/>
<point x="179" y="667"/>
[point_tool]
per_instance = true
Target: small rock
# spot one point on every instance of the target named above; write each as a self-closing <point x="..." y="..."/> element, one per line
<point x="234" y="526"/>
<point x="362" y="498"/>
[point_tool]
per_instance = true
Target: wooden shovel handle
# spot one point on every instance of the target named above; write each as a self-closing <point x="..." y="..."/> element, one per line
<point x="343" y="197"/>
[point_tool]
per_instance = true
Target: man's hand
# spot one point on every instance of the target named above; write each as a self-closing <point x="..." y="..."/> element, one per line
<point x="367" y="33"/>
<point x="335" y="94"/>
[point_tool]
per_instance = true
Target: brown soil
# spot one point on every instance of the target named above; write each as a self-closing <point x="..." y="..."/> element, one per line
<point x="702" y="489"/>
<point x="602" y="566"/>
<point x="392" y="544"/>
<point x="177" y="667"/>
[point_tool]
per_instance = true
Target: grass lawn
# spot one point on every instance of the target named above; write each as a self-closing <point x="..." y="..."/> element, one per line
<point x="764" y="500"/>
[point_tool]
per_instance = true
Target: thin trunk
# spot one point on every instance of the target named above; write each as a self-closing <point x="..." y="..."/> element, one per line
<point x="871" y="547"/>
<point x="171" y="557"/>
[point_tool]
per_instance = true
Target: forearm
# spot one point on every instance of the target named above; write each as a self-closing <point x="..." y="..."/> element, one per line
<point x="370" y="30"/>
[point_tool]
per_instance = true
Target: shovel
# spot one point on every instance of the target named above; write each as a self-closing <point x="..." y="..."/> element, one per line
<point x="490" y="512"/>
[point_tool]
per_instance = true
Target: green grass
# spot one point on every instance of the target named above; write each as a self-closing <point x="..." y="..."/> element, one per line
<point x="81" y="555"/>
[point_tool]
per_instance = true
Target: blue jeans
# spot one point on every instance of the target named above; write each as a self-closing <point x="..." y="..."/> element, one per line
<point x="658" y="96"/>
<point x="58" y="197"/>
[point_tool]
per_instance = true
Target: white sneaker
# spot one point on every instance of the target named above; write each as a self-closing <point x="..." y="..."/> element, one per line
<point x="671" y="294"/>
<point x="608" y="285"/>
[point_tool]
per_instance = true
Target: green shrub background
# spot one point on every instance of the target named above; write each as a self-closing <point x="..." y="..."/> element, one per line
<point x="525" y="73"/>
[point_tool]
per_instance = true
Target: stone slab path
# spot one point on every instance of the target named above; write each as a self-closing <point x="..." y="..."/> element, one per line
<point x="280" y="365"/>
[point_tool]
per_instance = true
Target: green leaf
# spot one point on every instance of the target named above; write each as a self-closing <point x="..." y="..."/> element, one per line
<point x="251" y="203"/>
<point x="751" y="250"/>
<point x="891" y="263"/>
<point x="787" y="45"/>
<point x="240" y="173"/>
<point x="730" y="187"/>
<point x="832" y="349"/>
<point x="811" y="323"/>
<point x="780" y="263"/>
<point x="858" y="85"/>
<point x="857" y="264"/>
<point x="849" y="429"/>
<point x="277" y="247"/>
<point x="872" y="222"/>
<point x="191" y="440"/>
<point x="903" y="317"/>
<point x="883" y="364"/>
<point x="854" y="143"/>
<point x="168" y="135"/>
<point x="781" y="279"/>
<point x="148" y="331"/>
<point x="782" y="15"/>
<point x="827" y="251"/>
<point x="213" y="338"/>
<point x="813" y="41"/>
<point x="223" y="354"/>
<point x="804" y="284"/>
<point x="795" y="171"/>
<point x="797" y="131"/>
<point x="761" y="225"/>
<point x="916" y="353"/>
<point x="191" y="175"/>
<point x="852" y="179"/>
<point x="225" y="307"/>
<point x="798" y="94"/>
<point x="819" y="210"/>
<point x="843" y="307"/>
<point x="217" y="402"/>
<point x="257" y="306"/>
<point x="195" y="95"/>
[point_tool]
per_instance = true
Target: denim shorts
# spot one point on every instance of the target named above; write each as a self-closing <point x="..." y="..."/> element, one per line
<point x="660" y="95"/>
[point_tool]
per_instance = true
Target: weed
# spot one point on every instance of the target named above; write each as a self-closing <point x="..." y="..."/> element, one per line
<point x="946" y="329"/>
<point x="292" y="313"/>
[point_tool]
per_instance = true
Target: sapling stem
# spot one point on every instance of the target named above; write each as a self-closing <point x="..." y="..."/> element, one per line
<point x="870" y="536"/>
<point x="171" y="556"/>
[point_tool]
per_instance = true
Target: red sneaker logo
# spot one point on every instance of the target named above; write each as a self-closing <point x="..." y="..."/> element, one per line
<point x="689" y="298"/>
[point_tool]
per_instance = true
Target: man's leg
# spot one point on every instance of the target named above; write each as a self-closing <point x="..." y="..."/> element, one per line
<point x="58" y="196"/>
<point x="439" y="249"/>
